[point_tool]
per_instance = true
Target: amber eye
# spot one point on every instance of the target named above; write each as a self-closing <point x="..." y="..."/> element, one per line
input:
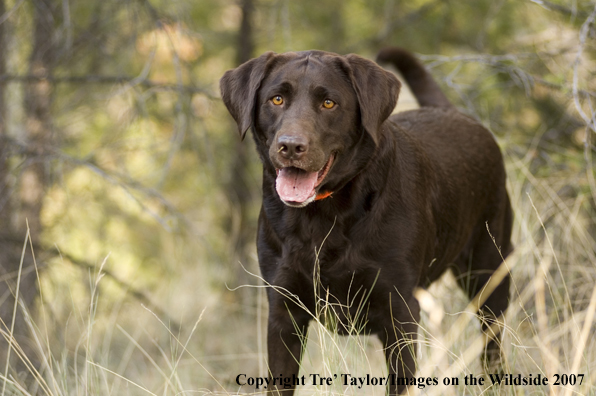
<point x="277" y="100"/>
<point x="328" y="104"/>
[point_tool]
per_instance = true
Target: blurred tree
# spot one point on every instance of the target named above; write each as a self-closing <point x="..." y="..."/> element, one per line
<point x="241" y="227"/>
<point x="21" y="212"/>
<point x="8" y="258"/>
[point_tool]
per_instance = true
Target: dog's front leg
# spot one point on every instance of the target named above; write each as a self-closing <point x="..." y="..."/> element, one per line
<point x="399" y="341"/>
<point x="286" y="338"/>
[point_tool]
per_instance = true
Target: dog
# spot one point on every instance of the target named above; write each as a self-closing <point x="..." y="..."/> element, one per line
<point x="362" y="207"/>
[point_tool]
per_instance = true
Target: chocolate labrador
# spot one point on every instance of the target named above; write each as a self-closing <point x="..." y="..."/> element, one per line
<point x="360" y="208"/>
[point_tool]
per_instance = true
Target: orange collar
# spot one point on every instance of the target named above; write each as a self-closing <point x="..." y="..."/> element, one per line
<point x="323" y="195"/>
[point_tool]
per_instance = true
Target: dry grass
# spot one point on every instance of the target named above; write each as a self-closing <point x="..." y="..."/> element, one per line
<point x="126" y="349"/>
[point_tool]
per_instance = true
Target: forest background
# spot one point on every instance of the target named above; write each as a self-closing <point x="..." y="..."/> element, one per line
<point x="128" y="203"/>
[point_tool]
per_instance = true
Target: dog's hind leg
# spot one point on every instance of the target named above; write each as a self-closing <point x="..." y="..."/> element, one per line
<point x="485" y="278"/>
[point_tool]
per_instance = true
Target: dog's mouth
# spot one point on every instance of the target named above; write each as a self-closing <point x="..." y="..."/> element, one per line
<point x="298" y="187"/>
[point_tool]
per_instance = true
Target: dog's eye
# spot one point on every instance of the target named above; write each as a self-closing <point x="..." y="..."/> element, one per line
<point x="277" y="100"/>
<point x="328" y="104"/>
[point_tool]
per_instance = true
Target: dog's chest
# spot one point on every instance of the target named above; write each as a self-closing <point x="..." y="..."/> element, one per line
<point x="341" y="283"/>
<point x="331" y="246"/>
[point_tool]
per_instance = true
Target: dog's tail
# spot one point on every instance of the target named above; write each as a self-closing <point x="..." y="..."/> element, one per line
<point x="425" y="88"/>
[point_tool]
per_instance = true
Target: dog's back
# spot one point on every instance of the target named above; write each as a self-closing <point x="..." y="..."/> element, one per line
<point x="470" y="173"/>
<point x="465" y="155"/>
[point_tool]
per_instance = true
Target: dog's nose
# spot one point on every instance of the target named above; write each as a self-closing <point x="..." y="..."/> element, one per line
<point x="292" y="147"/>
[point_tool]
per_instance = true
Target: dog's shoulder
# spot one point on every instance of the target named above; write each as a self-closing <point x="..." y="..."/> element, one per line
<point x="445" y="129"/>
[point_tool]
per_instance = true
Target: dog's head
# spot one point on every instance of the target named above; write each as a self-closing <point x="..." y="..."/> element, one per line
<point x="311" y="113"/>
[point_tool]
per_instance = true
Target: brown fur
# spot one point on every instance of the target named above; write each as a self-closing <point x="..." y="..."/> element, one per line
<point x="412" y="195"/>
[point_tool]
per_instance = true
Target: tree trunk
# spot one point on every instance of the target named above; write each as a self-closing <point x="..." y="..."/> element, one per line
<point x="239" y="189"/>
<point x="21" y="202"/>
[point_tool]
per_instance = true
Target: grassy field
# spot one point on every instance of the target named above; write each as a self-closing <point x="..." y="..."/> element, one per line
<point x="111" y="344"/>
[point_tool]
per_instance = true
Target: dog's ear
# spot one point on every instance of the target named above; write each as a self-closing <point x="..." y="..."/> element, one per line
<point x="239" y="88"/>
<point x="377" y="91"/>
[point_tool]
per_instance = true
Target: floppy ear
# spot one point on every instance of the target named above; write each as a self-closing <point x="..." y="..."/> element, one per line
<point x="377" y="91"/>
<point x="239" y="88"/>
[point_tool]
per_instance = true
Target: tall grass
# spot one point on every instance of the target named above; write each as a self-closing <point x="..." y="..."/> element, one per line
<point x="125" y="349"/>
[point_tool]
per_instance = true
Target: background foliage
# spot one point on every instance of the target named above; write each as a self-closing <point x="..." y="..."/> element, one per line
<point x="141" y="202"/>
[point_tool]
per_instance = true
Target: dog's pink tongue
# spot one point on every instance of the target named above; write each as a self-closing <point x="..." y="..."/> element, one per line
<point x="295" y="185"/>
